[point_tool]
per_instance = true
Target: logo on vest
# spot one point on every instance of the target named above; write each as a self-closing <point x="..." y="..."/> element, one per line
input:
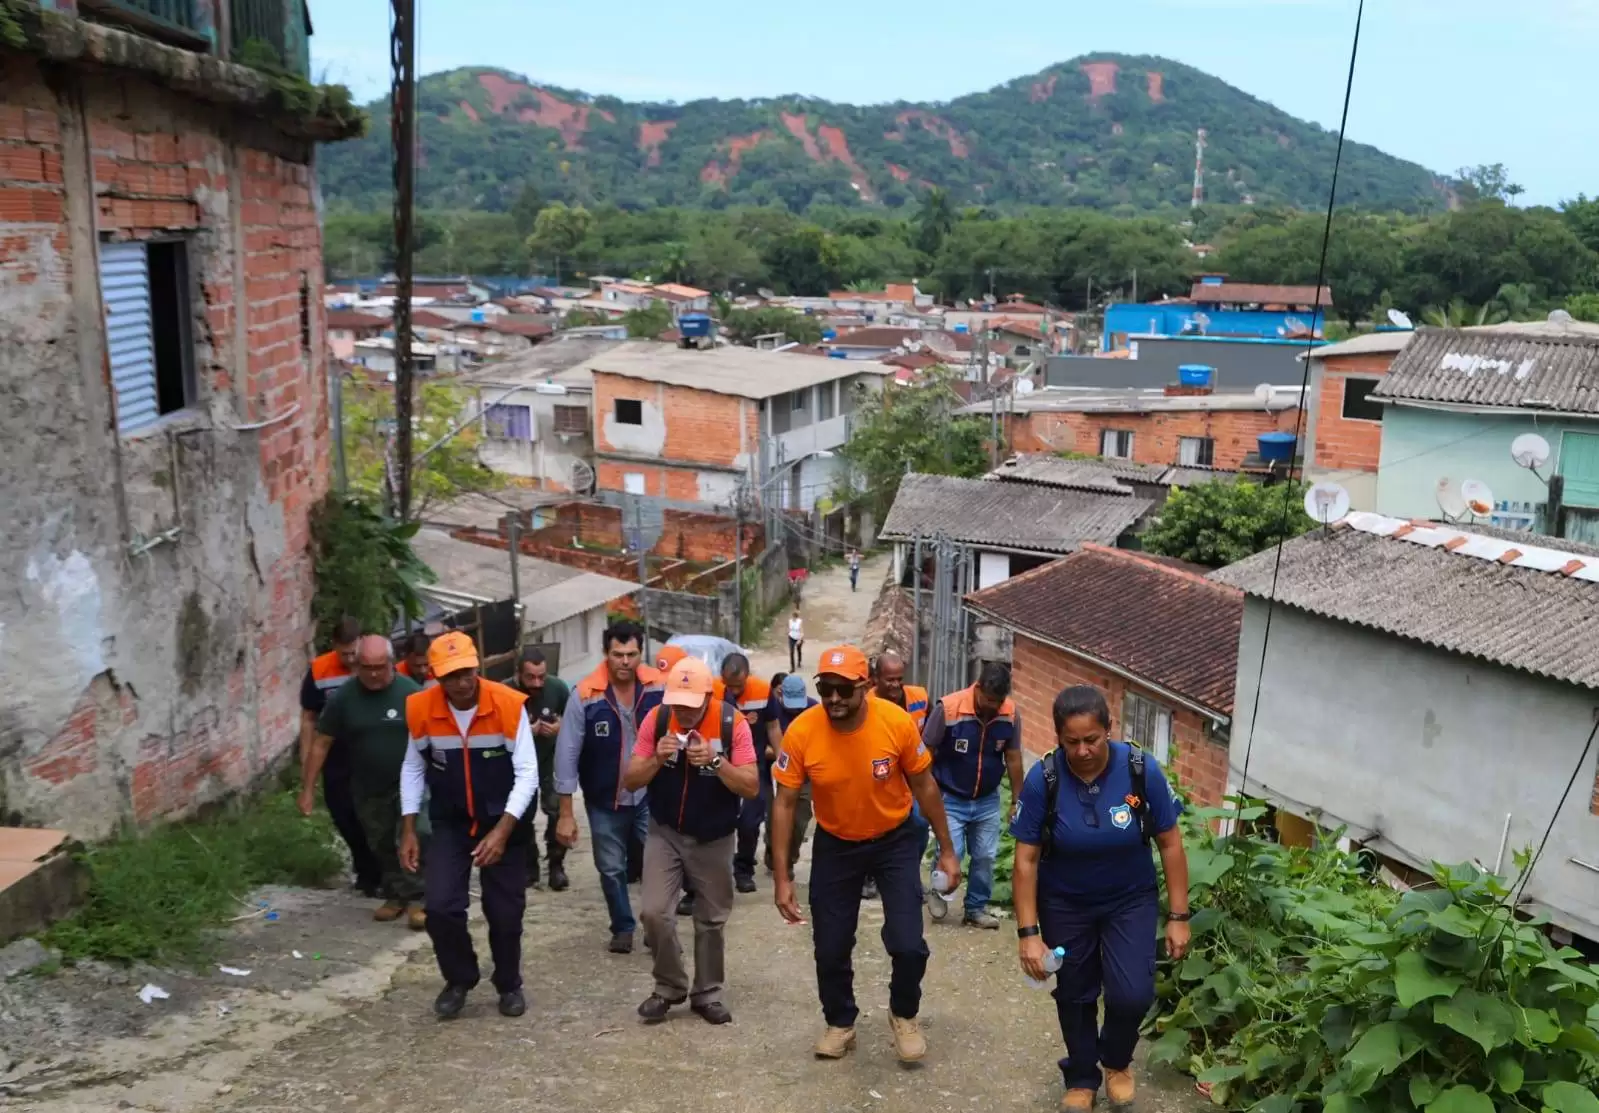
<point x="782" y="762"/>
<point x="881" y="767"/>
<point x="393" y="714"/>
<point x="602" y="729"/>
<point x="1121" y="816"/>
<point x="961" y="745"/>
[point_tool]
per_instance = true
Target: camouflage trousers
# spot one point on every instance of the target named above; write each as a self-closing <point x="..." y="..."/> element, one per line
<point x="380" y="819"/>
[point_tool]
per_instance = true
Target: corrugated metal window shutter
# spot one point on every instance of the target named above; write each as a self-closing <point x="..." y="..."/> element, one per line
<point x="1579" y="463"/>
<point x="130" y="341"/>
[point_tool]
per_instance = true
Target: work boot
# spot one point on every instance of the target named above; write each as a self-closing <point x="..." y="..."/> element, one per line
<point x="417" y="919"/>
<point x="909" y="1043"/>
<point x="450" y="1001"/>
<point x="744" y="884"/>
<point x="532" y="868"/>
<point x="685" y="905"/>
<point x="1120" y="1089"/>
<point x="1077" y="1101"/>
<point x="655" y="1007"/>
<point x="835" y="1043"/>
<point x="981" y="919"/>
<point x="389" y="911"/>
<point x="869" y="890"/>
<point x="714" y="1012"/>
<point x="558" y="881"/>
<point x="622" y="943"/>
<point x="512" y="1003"/>
<point x="937" y="906"/>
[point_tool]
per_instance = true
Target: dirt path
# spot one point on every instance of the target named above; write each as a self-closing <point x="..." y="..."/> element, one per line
<point x="370" y="1043"/>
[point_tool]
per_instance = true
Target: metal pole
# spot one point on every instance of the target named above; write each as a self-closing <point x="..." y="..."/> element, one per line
<point x="341" y="475"/>
<point x="402" y="104"/>
<point x="513" y="532"/>
<point x="916" y="608"/>
<point x="643" y="575"/>
<point x="738" y="563"/>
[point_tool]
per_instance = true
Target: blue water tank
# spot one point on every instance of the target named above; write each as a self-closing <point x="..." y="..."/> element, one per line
<point x="1195" y="374"/>
<point x="829" y="334"/>
<point x="477" y="316"/>
<point x="694" y="324"/>
<point x="1277" y="448"/>
<point x="962" y="329"/>
<point x="837" y="355"/>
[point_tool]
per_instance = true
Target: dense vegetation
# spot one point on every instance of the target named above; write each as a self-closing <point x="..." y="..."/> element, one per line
<point x="1217" y="524"/>
<point x="1492" y="258"/>
<point x="1045" y="139"/>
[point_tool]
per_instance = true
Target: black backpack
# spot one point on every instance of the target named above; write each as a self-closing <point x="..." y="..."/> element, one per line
<point x="1135" y="766"/>
<point x="730" y="713"/>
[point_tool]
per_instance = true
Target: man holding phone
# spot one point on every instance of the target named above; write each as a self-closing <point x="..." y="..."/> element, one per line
<point x="693" y="785"/>
<point x="546" y="703"/>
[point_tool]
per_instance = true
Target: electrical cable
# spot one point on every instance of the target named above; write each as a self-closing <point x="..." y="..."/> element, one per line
<point x="1299" y="421"/>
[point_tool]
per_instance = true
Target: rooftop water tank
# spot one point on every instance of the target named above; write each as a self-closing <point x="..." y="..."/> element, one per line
<point x="694" y="324"/>
<point x="829" y="334"/>
<point x="962" y="329"/>
<point x="1195" y="374"/>
<point x="837" y="355"/>
<point x="477" y="316"/>
<point x="1277" y="448"/>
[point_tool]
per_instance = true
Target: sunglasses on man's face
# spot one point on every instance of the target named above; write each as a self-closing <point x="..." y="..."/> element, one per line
<point x="835" y="689"/>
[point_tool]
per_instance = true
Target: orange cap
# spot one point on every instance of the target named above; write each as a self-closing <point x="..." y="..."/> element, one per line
<point x="669" y="656"/>
<point x="689" y="683"/>
<point x="845" y="661"/>
<point x="451" y="652"/>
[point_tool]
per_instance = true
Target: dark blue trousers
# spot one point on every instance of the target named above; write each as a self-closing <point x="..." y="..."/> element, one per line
<point x="751" y="814"/>
<point x="1110" y="952"/>
<point x="839" y="868"/>
<point x="448" y="872"/>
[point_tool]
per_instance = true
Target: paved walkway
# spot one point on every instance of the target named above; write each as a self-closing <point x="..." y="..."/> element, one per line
<point x="992" y="1041"/>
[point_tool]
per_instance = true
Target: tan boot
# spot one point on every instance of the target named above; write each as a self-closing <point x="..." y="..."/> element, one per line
<point x="1120" y="1089"/>
<point x="389" y="911"/>
<point x="909" y="1043"/>
<point x="1077" y="1101"/>
<point x="417" y="918"/>
<point x="835" y="1043"/>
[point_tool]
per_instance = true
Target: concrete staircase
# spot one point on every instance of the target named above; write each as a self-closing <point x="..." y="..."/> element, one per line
<point x="39" y="881"/>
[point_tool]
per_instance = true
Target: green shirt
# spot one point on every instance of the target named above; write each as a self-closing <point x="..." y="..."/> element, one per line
<point x="551" y="697"/>
<point x="371" y="725"/>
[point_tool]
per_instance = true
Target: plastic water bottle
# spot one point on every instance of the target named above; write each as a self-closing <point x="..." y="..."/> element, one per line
<point x="1052" y="962"/>
<point x="941" y="886"/>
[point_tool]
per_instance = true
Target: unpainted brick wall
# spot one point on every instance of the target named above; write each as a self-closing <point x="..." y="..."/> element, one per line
<point x="1342" y="443"/>
<point x="702" y="427"/>
<point x="174" y="673"/>
<point x="1039" y="672"/>
<point x="1156" y="436"/>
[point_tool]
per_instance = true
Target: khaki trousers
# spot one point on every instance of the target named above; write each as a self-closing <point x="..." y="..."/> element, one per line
<point x="673" y="861"/>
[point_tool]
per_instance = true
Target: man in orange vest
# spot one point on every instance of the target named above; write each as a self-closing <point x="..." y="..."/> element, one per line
<point x="414" y="658"/>
<point x="472" y="749"/>
<point x="753" y="698"/>
<point x="328" y="673"/>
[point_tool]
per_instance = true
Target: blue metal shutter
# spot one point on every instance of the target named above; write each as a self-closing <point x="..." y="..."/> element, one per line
<point x="130" y="343"/>
<point x="1579" y="463"/>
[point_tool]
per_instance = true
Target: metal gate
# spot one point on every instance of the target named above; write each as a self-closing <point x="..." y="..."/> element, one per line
<point x="130" y="341"/>
<point x="944" y="572"/>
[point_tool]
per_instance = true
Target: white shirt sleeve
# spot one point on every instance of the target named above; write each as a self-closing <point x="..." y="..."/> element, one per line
<point x="525" y="763"/>
<point x="413" y="779"/>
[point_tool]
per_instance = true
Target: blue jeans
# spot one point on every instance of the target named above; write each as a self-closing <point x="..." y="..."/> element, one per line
<point x="974" y="828"/>
<point x="609" y="831"/>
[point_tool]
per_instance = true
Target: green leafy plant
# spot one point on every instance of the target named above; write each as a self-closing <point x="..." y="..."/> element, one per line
<point x="1311" y="985"/>
<point x="744" y="325"/>
<point x="1220" y="523"/>
<point x="365" y="566"/>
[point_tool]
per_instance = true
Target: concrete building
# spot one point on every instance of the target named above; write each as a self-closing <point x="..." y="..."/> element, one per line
<point x="1216" y="307"/>
<point x="1238" y="363"/>
<point x="165" y="371"/>
<point x="688" y="426"/>
<point x="1430" y="689"/>
<point x="1343" y="422"/>
<point x="346" y="328"/>
<point x="1157" y="637"/>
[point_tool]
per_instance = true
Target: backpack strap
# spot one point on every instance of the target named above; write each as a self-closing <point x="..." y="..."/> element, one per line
<point x="663" y="719"/>
<point x="730" y="715"/>
<point x="1137" y="775"/>
<point x="1051" y="765"/>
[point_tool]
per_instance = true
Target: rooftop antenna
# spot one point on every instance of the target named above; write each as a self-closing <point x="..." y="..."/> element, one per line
<point x="1399" y="319"/>
<point x="1199" y="170"/>
<point x="1479" y="498"/>
<point x="1327" y="503"/>
<point x="1450" y="501"/>
<point x="1530" y="451"/>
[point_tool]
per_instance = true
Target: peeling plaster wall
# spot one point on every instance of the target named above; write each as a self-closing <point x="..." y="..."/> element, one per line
<point x="140" y="685"/>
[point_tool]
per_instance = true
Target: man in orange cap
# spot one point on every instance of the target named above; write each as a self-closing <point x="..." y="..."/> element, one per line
<point x="693" y="786"/>
<point x="472" y="749"/>
<point x="668" y="656"/>
<point x="865" y="762"/>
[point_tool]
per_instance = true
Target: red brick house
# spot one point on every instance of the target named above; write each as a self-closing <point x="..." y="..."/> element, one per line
<point x="1343" y="421"/>
<point x="166" y="383"/>
<point x="1157" y="637"/>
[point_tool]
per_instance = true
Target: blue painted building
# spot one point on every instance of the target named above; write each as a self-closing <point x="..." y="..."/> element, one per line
<point x="1218" y="308"/>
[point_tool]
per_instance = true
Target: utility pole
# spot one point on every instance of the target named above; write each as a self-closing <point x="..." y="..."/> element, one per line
<point x="341" y="476"/>
<point x="513" y="534"/>
<point x="738" y="562"/>
<point x="643" y="573"/>
<point x="1135" y="285"/>
<point x="402" y="107"/>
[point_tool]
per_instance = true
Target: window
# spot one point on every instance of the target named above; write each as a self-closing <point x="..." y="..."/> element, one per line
<point x="633" y="482"/>
<point x="629" y="411"/>
<point x="145" y="290"/>
<point x="508" y="423"/>
<point x="1147" y="723"/>
<point x="1358" y="404"/>
<point x="824" y="401"/>
<point x="1196" y="452"/>
<point x="571" y="419"/>
<point x="796" y="401"/>
<point x="1116" y="443"/>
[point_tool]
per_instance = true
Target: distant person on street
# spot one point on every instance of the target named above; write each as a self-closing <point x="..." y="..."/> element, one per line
<point x="854" y="559"/>
<point x="1085" y="880"/>
<point x="414" y="661"/>
<point x="368" y="718"/>
<point x="472" y="749"/>
<point x="752" y="696"/>
<point x="695" y="758"/>
<point x="864" y="761"/>
<point x="975" y="736"/>
<point x="546" y="704"/>
<point x="598" y="732"/>
<point x="888" y="683"/>
<point x="796" y="641"/>
<point x="789" y="698"/>
<point x="326" y="675"/>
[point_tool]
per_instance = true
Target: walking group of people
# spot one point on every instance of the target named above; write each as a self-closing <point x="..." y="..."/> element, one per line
<point x="693" y="765"/>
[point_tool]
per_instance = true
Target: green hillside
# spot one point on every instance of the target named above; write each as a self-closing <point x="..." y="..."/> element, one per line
<point x="1104" y="131"/>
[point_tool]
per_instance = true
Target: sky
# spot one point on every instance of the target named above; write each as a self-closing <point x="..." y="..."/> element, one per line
<point x="1446" y="83"/>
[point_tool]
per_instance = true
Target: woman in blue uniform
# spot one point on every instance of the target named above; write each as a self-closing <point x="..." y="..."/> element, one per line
<point x="1089" y="885"/>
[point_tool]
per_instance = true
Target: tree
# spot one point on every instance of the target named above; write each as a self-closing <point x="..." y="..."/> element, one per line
<point x="806" y="261"/>
<point x="1486" y="183"/>
<point x="910" y="428"/>
<point x="744" y="325"/>
<point x="1584" y="307"/>
<point x="934" y="220"/>
<point x="649" y="322"/>
<point x="558" y="231"/>
<point x="1217" y="524"/>
<point x="525" y="209"/>
<point x="365" y="566"/>
<point x="451" y="469"/>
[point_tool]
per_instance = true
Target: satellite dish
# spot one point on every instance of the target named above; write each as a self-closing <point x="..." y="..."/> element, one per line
<point x="1327" y="503"/>
<point x="582" y="478"/>
<point x="1450" y="500"/>
<point x="1399" y="319"/>
<point x="1263" y="393"/>
<point x="1294" y="324"/>
<point x="1479" y="499"/>
<point x="1529" y="451"/>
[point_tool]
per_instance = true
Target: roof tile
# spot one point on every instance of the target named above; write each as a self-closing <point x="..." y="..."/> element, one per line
<point x="1497" y="367"/>
<point x="1022" y="516"/>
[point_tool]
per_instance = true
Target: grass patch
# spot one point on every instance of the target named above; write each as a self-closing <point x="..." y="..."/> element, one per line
<point x="157" y="896"/>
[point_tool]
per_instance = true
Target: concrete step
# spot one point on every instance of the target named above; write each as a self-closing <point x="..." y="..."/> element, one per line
<point x="39" y="881"/>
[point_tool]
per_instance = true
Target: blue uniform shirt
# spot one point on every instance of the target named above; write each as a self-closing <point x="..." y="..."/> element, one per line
<point x="1099" y="853"/>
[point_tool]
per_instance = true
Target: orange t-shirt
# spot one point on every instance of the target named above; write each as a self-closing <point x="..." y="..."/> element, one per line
<point x="858" y="779"/>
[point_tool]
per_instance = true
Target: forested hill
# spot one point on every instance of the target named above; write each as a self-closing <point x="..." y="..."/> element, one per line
<point x="1101" y="131"/>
